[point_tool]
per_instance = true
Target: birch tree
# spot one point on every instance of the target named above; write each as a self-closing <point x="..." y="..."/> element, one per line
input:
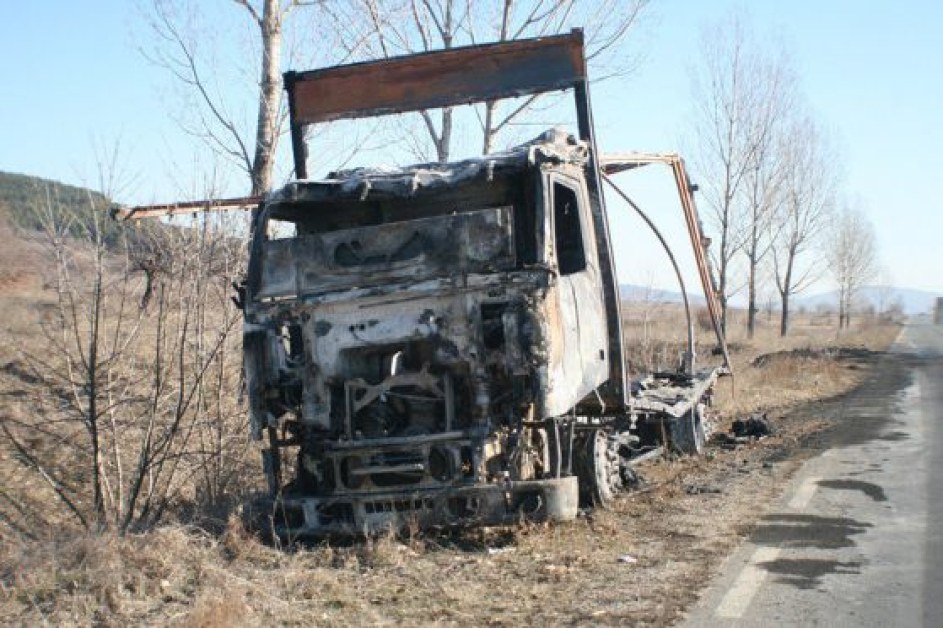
<point x="851" y="251"/>
<point x="809" y="184"/>
<point x="725" y="98"/>
<point x="774" y="83"/>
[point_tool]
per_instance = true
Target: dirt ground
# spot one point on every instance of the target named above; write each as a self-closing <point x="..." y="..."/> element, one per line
<point x="643" y="562"/>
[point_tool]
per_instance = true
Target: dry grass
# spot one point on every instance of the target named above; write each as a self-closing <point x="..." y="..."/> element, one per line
<point x="671" y="538"/>
<point x="531" y="573"/>
<point x="640" y="563"/>
<point x="803" y="367"/>
<point x="147" y="410"/>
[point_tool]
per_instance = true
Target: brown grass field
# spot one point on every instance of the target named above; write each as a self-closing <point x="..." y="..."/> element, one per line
<point x="640" y="563"/>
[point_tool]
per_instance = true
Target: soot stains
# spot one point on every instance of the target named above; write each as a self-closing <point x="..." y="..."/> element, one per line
<point x="895" y="436"/>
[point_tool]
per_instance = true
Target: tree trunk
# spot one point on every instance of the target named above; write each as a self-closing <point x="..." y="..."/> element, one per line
<point x="723" y="312"/>
<point x="488" y="133"/>
<point x="785" y="290"/>
<point x="841" y="309"/>
<point x="751" y="306"/>
<point x="784" y="316"/>
<point x="722" y="279"/>
<point x="98" y="493"/>
<point x="92" y="381"/>
<point x="266" y="138"/>
<point x="444" y="143"/>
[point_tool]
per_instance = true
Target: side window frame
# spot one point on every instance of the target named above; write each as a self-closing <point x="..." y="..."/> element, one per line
<point x="571" y="261"/>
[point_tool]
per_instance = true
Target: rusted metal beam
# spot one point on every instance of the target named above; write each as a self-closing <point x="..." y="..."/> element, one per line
<point x="686" y="192"/>
<point x="620" y="162"/>
<point x="187" y="207"/>
<point x="614" y="163"/>
<point x="443" y="78"/>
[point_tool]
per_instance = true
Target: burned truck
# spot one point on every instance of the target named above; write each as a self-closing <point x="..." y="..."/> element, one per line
<point x="441" y="344"/>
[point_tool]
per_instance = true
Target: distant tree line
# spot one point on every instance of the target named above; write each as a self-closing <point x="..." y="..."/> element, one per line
<point x="771" y="179"/>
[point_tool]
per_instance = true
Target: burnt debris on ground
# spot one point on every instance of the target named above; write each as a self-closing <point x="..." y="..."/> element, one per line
<point x="753" y="427"/>
<point x="756" y="426"/>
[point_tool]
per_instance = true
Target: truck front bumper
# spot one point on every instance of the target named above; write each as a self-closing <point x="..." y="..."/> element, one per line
<point x="296" y="516"/>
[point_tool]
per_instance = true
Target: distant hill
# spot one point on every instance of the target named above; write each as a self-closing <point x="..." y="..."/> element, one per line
<point x="633" y="292"/>
<point x="25" y="198"/>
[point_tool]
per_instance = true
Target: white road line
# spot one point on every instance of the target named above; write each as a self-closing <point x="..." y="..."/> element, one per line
<point x="738" y="598"/>
<point x="803" y="494"/>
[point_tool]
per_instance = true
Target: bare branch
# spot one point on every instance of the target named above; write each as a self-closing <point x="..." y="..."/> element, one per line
<point x="186" y="70"/>
<point x="53" y="483"/>
<point x="251" y="9"/>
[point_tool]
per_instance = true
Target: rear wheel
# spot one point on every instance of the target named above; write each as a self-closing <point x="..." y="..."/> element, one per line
<point x="597" y="467"/>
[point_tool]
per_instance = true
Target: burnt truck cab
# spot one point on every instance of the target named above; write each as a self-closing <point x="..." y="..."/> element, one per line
<point x="425" y="338"/>
<point x="441" y="344"/>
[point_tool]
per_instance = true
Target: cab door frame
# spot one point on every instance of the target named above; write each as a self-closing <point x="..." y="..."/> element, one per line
<point x="582" y="316"/>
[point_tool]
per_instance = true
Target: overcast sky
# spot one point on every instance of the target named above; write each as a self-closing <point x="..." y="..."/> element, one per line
<point x="75" y="81"/>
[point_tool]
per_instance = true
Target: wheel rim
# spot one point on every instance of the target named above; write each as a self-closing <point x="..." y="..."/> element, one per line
<point x="608" y="480"/>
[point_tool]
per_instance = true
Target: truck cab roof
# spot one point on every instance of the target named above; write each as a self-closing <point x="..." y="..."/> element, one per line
<point x="554" y="146"/>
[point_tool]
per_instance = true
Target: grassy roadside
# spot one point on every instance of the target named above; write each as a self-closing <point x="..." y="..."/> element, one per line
<point x="641" y="562"/>
<point x="805" y="366"/>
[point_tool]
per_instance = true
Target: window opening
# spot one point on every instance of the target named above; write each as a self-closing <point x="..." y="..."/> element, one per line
<point x="571" y="257"/>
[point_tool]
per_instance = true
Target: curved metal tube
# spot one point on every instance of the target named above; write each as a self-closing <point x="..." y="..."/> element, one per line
<point x="689" y="356"/>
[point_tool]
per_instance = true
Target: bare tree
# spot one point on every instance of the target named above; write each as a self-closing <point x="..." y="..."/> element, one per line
<point x="131" y="408"/>
<point x="762" y="192"/>
<point x="726" y="97"/>
<point x="809" y="187"/>
<point x="252" y="149"/>
<point x="851" y="250"/>
<point x="370" y="29"/>
<point x="192" y="424"/>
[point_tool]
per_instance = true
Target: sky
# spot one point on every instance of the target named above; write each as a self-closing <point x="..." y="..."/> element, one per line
<point x="77" y="84"/>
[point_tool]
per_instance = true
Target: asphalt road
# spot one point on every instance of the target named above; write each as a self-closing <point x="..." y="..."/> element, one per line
<point x="857" y="539"/>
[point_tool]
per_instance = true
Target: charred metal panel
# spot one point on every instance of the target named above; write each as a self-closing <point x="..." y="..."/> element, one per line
<point x="587" y="342"/>
<point x="575" y="318"/>
<point x="424" y="348"/>
<point x="256" y="371"/>
<point x="437" y="79"/>
<point x="470" y="242"/>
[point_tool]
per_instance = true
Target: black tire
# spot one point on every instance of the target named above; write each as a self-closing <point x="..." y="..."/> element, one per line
<point x="597" y="468"/>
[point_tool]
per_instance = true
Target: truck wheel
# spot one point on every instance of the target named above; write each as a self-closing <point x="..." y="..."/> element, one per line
<point x="597" y="469"/>
<point x="687" y="433"/>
